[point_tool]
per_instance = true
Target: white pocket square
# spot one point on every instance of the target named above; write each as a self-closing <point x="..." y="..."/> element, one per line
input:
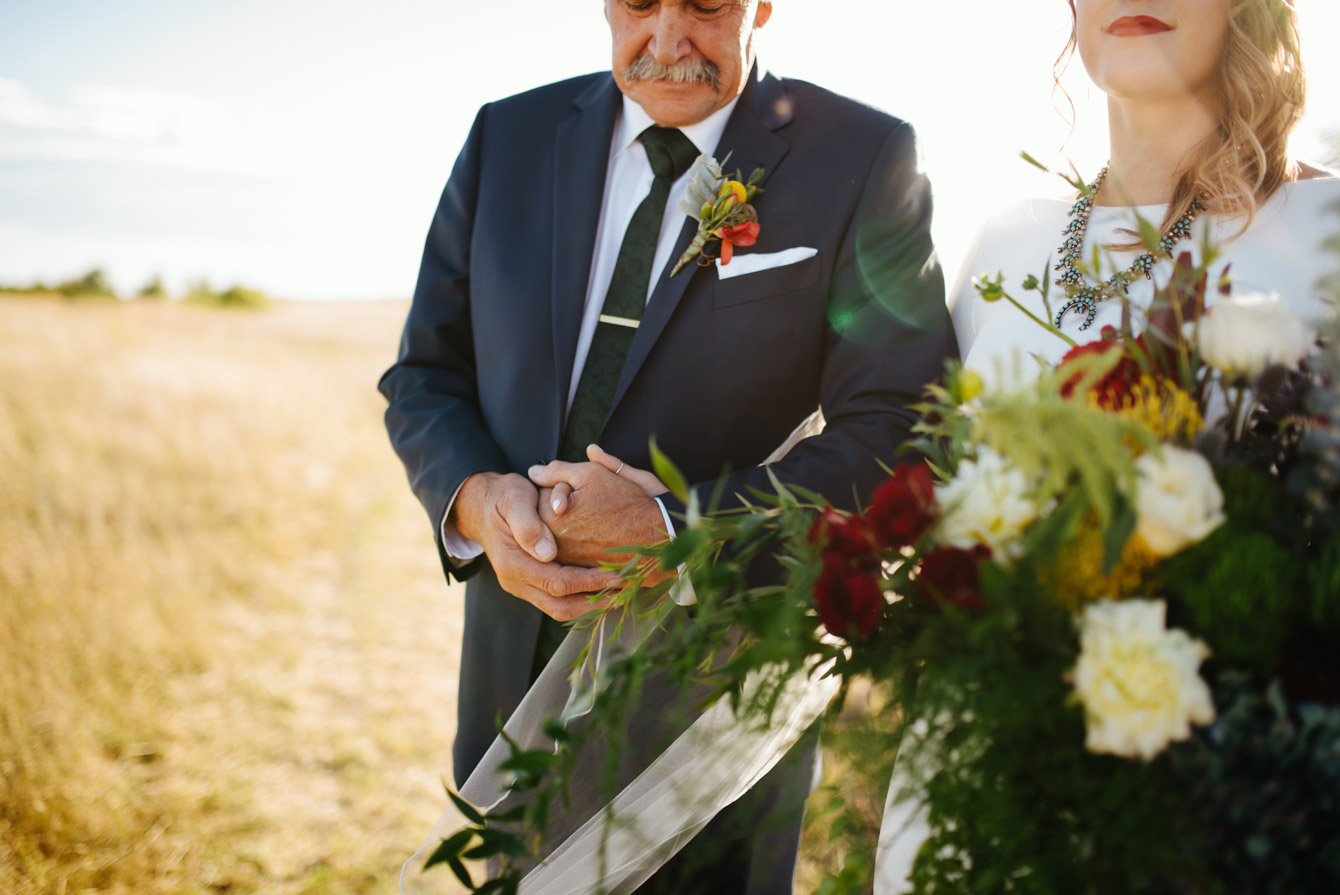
<point x="749" y="263"/>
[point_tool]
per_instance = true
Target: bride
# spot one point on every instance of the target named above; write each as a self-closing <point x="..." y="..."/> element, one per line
<point x="1202" y="97"/>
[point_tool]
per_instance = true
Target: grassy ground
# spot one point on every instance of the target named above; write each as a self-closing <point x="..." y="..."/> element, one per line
<point x="227" y="656"/>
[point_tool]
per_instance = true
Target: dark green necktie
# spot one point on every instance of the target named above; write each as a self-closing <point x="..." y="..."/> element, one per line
<point x="671" y="154"/>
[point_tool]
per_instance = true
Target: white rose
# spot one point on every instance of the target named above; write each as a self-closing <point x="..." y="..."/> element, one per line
<point x="1244" y="334"/>
<point x="1139" y="683"/>
<point x="987" y="502"/>
<point x="1177" y="500"/>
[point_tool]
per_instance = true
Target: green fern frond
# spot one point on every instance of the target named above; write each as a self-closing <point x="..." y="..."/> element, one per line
<point x="1065" y="443"/>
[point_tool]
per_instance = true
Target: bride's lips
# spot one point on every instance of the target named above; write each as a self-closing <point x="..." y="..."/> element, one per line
<point x="1137" y="26"/>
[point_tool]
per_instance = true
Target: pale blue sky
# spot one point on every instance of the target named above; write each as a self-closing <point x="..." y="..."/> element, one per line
<point x="300" y="145"/>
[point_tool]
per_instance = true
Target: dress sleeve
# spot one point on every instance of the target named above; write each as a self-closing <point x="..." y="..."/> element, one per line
<point x="963" y="297"/>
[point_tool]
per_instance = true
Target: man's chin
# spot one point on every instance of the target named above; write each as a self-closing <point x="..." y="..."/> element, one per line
<point x="676" y="105"/>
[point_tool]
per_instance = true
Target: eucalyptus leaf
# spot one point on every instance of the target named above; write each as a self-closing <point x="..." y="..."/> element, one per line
<point x="1149" y="234"/>
<point x="529" y="762"/>
<point x="557" y="731"/>
<point x="471" y="813"/>
<point x="458" y="868"/>
<point x="450" y="848"/>
<point x="496" y="842"/>
<point x="668" y="473"/>
<point x="679" y="550"/>
<point x="788" y="498"/>
<point x="1118" y="533"/>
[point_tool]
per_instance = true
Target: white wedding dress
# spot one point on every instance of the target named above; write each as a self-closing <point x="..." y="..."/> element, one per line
<point x="1280" y="252"/>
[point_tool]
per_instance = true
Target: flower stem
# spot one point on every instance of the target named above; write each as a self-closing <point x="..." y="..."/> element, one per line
<point x="1038" y="320"/>
<point x="694" y="248"/>
<point x="1238" y="424"/>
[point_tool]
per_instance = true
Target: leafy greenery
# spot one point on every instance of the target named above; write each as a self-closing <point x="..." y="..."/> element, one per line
<point x="153" y="289"/>
<point x="1265" y="784"/>
<point x="93" y="284"/>
<point x="199" y="292"/>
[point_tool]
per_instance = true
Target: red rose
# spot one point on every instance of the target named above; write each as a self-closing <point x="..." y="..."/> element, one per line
<point x="903" y="507"/>
<point x="848" y="537"/>
<point x="849" y="600"/>
<point x="950" y="575"/>
<point x="1113" y="387"/>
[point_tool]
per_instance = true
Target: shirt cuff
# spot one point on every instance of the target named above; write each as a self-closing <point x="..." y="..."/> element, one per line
<point x="460" y="549"/>
<point x="682" y="590"/>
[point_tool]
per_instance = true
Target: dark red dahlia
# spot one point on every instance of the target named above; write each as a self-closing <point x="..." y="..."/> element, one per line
<point x="849" y="599"/>
<point x="950" y="575"/>
<point x="847" y="537"/>
<point x="904" y="507"/>
<point x="1114" y="387"/>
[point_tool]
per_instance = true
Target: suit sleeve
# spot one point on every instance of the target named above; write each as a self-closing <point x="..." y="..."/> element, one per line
<point x="433" y="415"/>
<point x="887" y="336"/>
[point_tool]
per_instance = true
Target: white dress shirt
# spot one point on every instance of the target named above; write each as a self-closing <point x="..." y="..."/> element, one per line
<point x="628" y="180"/>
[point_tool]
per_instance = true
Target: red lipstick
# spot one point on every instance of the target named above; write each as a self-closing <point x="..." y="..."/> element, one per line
<point x="1137" y="26"/>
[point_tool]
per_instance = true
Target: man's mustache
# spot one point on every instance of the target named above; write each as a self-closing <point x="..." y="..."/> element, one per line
<point x="686" y="71"/>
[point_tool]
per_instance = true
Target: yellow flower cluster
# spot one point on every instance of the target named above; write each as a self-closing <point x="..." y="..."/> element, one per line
<point x="1077" y="575"/>
<point x="1167" y="411"/>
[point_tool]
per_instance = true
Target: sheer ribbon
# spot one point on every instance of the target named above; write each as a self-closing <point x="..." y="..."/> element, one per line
<point x="615" y="846"/>
<point x="666" y="795"/>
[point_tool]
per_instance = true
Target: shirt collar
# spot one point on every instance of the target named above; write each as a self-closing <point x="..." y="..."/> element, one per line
<point x="705" y="135"/>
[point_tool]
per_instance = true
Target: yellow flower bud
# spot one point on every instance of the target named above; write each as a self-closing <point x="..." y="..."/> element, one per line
<point x="733" y="189"/>
<point x="970" y="385"/>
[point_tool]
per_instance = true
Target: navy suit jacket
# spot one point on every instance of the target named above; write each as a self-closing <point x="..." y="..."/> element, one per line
<point x="720" y="371"/>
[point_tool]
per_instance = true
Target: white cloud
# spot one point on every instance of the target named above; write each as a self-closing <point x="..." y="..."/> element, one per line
<point x="134" y="114"/>
<point x="104" y="122"/>
<point x="146" y="115"/>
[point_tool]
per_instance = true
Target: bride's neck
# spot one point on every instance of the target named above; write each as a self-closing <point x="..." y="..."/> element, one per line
<point x="1151" y="142"/>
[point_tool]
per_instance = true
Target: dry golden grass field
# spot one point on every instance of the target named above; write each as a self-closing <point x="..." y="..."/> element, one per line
<point x="227" y="655"/>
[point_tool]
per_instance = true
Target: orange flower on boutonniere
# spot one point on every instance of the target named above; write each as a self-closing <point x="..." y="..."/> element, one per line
<point x="739" y="235"/>
<point x="721" y="206"/>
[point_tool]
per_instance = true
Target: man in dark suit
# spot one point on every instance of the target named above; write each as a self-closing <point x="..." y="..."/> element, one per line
<point x="545" y="320"/>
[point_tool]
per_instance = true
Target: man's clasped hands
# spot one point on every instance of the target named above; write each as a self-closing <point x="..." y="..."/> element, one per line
<point x="546" y="536"/>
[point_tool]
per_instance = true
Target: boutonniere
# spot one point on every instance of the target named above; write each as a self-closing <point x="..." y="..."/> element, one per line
<point x="721" y="206"/>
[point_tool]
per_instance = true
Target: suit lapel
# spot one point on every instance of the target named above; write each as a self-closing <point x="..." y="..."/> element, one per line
<point x="581" y="160"/>
<point x="749" y="138"/>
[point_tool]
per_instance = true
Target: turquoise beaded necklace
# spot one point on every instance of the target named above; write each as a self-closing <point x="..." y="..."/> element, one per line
<point x="1081" y="295"/>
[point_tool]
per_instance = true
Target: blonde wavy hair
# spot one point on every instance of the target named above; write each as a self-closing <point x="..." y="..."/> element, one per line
<point x="1260" y="94"/>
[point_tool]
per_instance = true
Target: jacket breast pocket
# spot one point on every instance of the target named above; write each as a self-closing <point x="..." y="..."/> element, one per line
<point x="766" y="284"/>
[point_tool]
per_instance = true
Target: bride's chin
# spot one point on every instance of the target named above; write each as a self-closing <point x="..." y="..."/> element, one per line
<point x="1146" y="88"/>
<point x="1150" y="79"/>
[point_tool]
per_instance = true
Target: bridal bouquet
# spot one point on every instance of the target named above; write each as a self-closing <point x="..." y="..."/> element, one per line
<point x="1103" y="605"/>
<point x="1111" y="602"/>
